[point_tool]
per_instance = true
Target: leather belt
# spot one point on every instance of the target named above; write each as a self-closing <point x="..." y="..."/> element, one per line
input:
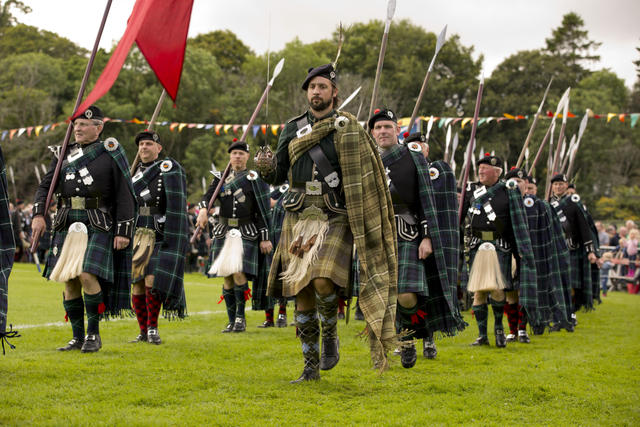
<point x="313" y="188"/>
<point x="81" y="202"/>
<point x="486" y="235"/>
<point x="234" y="222"/>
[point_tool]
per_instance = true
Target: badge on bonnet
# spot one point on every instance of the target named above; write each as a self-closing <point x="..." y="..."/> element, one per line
<point x="88" y="114"/>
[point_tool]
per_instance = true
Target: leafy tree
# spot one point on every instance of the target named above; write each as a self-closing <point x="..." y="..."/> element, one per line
<point x="23" y="38"/>
<point x="634" y="101"/>
<point x="6" y="17"/>
<point x="229" y="51"/>
<point x="571" y="41"/>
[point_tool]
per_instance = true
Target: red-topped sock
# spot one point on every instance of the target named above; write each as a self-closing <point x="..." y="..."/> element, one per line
<point x="140" y="307"/>
<point x="269" y="315"/>
<point x="512" y="317"/>
<point x="153" y="308"/>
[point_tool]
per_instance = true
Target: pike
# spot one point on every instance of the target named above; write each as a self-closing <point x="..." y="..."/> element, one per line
<point x="391" y="8"/>
<point x="583" y="126"/>
<point x="447" y="143"/>
<point x="429" y="126"/>
<point x="67" y="137"/>
<point x="350" y="98"/>
<point x="556" y="158"/>
<point x="439" y="43"/>
<point x="546" y="136"/>
<point x="533" y="125"/>
<point x="13" y="182"/>
<point x="470" y="146"/>
<point x="454" y="147"/>
<point x="565" y="156"/>
<point x="37" y="173"/>
<point x="152" y="122"/>
<point x="243" y="138"/>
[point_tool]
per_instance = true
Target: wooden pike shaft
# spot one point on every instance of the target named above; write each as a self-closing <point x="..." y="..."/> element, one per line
<point x="152" y="122"/>
<point x="556" y="158"/>
<point x="470" y="159"/>
<point x="423" y="89"/>
<point x="67" y="137"/>
<point x="542" y="144"/>
<point x="376" y="82"/>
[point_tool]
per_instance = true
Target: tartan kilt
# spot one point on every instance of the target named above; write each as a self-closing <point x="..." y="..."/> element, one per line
<point x="98" y="258"/>
<point x="99" y="261"/>
<point x="151" y="265"/>
<point x="580" y="278"/>
<point x="411" y="270"/>
<point x="355" y="276"/>
<point x="504" y="259"/>
<point x="334" y="257"/>
<point x="250" y="249"/>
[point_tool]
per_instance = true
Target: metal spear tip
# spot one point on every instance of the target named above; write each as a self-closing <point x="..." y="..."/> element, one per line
<point x="391" y="9"/>
<point x="441" y="38"/>
<point x="277" y="71"/>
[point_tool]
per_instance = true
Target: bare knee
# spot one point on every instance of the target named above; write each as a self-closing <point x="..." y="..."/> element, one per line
<point x="239" y="278"/>
<point x="90" y="284"/>
<point x="306" y="299"/>
<point x="148" y="280"/>
<point x="512" y="297"/>
<point x="480" y="298"/>
<point x="498" y="295"/>
<point x="72" y="289"/>
<point x="407" y="300"/>
<point x="323" y="286"/>
<point x="228" y="283"/>
<point x="138" y="288"/>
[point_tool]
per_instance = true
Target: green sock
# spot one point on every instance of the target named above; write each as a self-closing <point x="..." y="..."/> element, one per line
<point x="328" y="313"/>
<point x="498" y="312"/>
<point x="482" y="313"/>
<point x="309" y="332"/>
<point x="75" y="314"/>
<point x="92" y="304"/>
<point x="241" y="293"/>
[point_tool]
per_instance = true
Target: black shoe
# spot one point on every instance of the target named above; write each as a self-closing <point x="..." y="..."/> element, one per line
<point x="282" y="320"/>
<point x="228" y="328"/>
<point x="501" y="340"/>
<point x="74" y="344"/>
<point x="330" y="353"/>
<point x="340" y="316"/>
<point x="523" y="337"/>
<point x="92" y="343"/>
<point x="240" y="325"/>
<point x="142" y="337"/>
<point x="570" y="327"/>
<point x="308" y="374"/>
<point x="429" y="349"/>
<point x="358" y="315"/>
<point x="153" y="337"/>
<point x="266" y="324"/>
<point x="481" y="341"/>
<point x="538" y="330"/>
<point x="555" y="327"/>
<point x="408" y="355"/>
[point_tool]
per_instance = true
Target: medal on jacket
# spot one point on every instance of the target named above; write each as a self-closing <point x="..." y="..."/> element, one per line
<point x="86" y="176"/>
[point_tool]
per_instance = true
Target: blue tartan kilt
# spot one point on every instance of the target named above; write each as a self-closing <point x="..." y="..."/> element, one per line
<point x="411" y="270"/>
<point x="98" y="258"/>
<point x="580" y="274"/>
<point x="251" y="251"/>
<point x="504" y="259"/>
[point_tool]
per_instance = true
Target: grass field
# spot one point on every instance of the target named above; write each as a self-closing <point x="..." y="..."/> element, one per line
<point x="200" y="376"/>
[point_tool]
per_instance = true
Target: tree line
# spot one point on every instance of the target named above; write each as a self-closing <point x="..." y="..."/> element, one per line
<point x="223" y="79"/>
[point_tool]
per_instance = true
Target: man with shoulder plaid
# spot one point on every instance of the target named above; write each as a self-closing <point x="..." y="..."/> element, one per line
<point x="92" y="229"/>
<point x="161" y="237"/>
<point x="427" y="300"/>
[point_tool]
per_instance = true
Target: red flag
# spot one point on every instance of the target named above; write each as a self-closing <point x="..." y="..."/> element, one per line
<point x="159" y="27"/>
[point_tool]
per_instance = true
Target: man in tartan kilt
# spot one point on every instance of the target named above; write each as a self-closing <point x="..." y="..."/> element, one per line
<point x="161" y="239"/>
<point x="7" y="249"/>
<point x="498" y="237"/>
<point x="423" y="304"/>
<point x="241" y="237"/>
<point x="581" y="242"/>
<point x="92" y="229"/>
<point x="337" y="197"/>
<point x="277" y="216"/>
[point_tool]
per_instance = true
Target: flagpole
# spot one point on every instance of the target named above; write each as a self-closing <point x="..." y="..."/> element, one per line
<point x="67" y="137"/>
<point x="152" y="122"/>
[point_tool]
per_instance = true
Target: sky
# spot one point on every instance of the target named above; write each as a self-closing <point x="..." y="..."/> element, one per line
<point x="496" y="28"/>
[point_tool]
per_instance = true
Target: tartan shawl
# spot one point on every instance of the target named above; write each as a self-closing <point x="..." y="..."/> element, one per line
<point x="371" y="219"/>
<point x="169" y="273"/>
<point x="117" y="297"/>
<point x="527" y="267"/>
<point x="7" y="245"/>
<point x="562" y="294"/>
<point x="546" y="259"/>
<point x="259" y="298"/>
<point x="444" y="233"/>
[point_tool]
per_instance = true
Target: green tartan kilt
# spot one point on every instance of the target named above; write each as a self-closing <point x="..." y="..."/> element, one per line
<point x="334" y="257"/>
<point x="251" y="250"/>
<point x="411" y="270"/>
<point x="98" y="258"/>
<point x="580" y="269"/>
<point x="504" y="259"/>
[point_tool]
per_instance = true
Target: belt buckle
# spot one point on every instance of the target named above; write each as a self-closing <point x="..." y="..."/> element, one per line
<point x="145" y="210"/>
<point x="78" y="202"/>
<point x="487" y="235"/>
<point x="233" y="222"/>
<point x="313" y="188"/>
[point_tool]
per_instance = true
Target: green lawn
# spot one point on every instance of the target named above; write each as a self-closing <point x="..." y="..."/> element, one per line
<point x="200" y="376"/>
